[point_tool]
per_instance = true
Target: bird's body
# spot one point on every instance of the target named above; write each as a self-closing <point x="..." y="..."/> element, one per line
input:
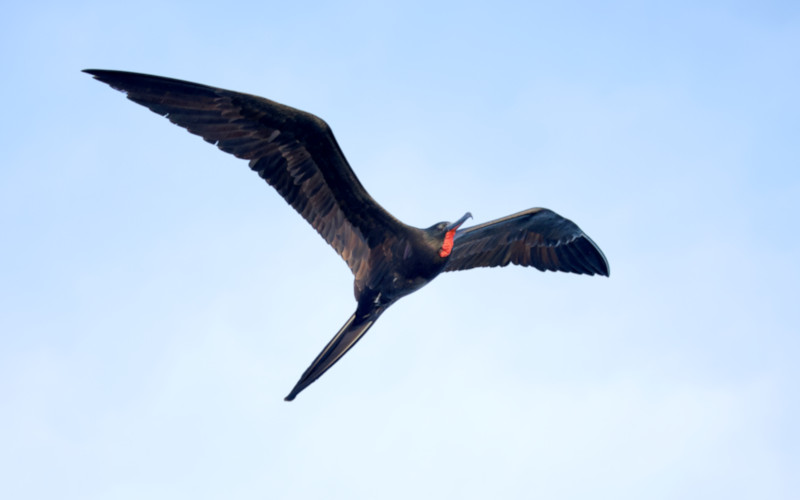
<point x="297" y="154"/>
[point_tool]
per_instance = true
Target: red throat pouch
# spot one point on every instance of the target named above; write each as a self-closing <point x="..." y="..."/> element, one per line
<point x="447" y="246"/>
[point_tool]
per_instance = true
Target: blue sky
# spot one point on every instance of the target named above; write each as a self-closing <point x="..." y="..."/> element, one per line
<point x="158" y="301"/>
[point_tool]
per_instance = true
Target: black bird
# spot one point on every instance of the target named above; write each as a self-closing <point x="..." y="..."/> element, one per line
<point x="296" y="153"/>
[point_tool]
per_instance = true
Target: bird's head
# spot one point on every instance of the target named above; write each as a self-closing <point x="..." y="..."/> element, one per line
<point x="444" y="232"/>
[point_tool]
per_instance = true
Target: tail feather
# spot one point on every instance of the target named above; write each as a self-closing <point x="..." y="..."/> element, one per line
<point x="343" y="341"/>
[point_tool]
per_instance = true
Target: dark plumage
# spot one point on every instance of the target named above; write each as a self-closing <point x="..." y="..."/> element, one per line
<point x="296" y="153"/>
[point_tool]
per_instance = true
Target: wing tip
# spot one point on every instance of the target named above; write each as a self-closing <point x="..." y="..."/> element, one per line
<point x="112" y="78"/>
<point x="595" y="258"/>
<point x="605" y="269"/>
<point x="100" y="74"/>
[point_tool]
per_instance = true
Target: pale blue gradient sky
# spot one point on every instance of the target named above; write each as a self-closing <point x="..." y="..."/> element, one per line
<point x="157" y="300"/>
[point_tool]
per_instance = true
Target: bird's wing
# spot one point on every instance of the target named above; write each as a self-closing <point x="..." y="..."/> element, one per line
<point x="294" y="151"/>
<point x="537" y="237"/>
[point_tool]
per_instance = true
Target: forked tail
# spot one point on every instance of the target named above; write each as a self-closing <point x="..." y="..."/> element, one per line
<point x="350" y="333"/>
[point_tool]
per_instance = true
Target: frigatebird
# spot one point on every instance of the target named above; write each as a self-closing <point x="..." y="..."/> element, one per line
<point x="297" y="154"/>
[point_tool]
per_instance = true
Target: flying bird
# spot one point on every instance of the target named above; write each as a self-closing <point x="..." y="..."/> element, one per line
<point x="297" y="154"/>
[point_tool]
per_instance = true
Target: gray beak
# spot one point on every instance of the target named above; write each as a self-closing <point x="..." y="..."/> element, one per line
<point x="460" y="221"/>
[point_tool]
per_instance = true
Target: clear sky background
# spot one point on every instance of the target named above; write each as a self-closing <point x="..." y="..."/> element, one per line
<point x="158" y="300"/>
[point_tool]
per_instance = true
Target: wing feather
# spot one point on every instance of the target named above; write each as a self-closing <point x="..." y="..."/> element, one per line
<point x="537" y="237"/>
<point x="293" y="151"/>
